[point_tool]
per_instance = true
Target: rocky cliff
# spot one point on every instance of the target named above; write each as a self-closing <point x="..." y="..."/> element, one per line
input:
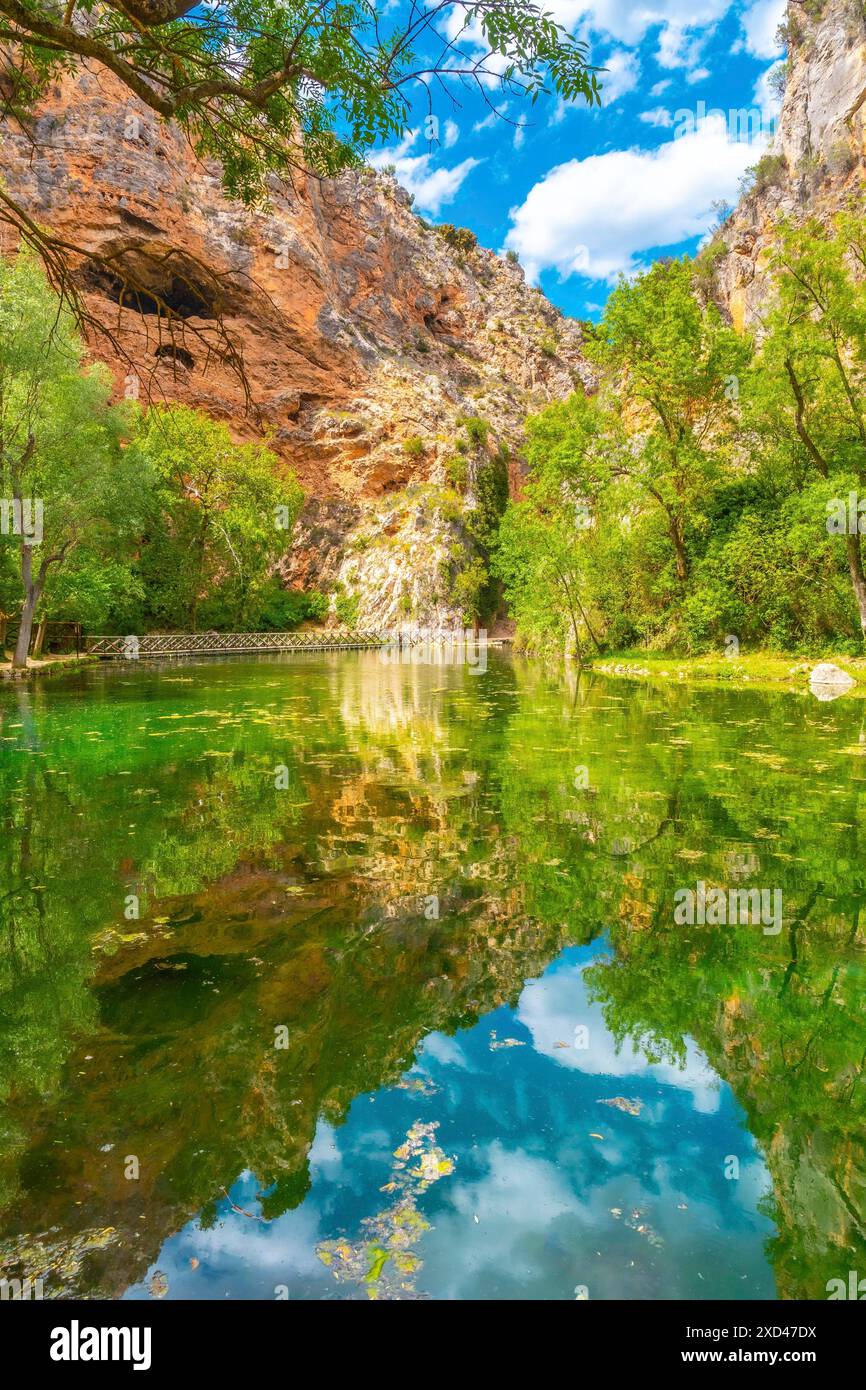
<point x="367" y="335"/>
<point x="817" y="161"/>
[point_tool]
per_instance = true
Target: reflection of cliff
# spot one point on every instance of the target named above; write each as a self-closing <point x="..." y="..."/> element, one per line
<point x="184" y="1073"/>
<point x="304" y="907"/>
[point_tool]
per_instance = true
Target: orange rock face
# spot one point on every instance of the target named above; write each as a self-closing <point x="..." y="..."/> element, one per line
<point x="366" y="334"/>
<point x="360" y="328"/>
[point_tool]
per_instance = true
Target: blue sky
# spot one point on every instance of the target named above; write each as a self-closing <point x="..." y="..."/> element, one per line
<point x="582" y="194"/>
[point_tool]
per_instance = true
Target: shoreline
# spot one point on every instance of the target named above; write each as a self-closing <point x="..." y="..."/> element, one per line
<point x="753" y="669"/>
<point x="43" y="666"/>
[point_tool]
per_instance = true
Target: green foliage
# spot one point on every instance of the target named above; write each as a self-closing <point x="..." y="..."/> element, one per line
<point x="61" y="453"/>
<point x="346" y="608"/>
<point x="477" y="430"/>
<point x="771" y="171"/>
<point x="468" y="588"/>
<point x="318" y="84"/>
<point x="413" y="448"/>
<point x="156" y="521"/>
<point x="457" y="472"/>
<point x="688" y="499"/>
<point x="224" y="516"/>
<point x="282" y="609"/>
<point x="706" y="264"/>
<point x="460" y="238"/>
<point x="491" y="499"/>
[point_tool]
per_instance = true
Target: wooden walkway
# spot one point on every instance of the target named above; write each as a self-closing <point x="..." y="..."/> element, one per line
<point x="160" y="644"/>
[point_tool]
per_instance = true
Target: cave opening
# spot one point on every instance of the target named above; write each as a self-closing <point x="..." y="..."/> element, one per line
<point x="174" y="353"/>
<point x="151" y="287"/>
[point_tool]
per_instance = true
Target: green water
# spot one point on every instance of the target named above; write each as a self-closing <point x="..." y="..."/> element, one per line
<point x="405" y="1011"/>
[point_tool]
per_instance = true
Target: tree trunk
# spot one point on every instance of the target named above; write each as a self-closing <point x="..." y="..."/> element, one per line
<point x="200" y="546"/>
<point x="858" y="578"/>
<point x="22" y="646"/>
<point x="679" y="547"/>
<point x="32" y="595"/>
<point x="39" y="638"/>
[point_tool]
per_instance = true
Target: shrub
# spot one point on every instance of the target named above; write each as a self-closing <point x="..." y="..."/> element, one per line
<point x="283" y="609"/>
<point x="457" y="472"/>
<point x="476" y="430"/>
<point x="770" y="171"/>
<point x="841" y="158"/>
<point x="459" y="237"/>
<point x="346" y="608"/>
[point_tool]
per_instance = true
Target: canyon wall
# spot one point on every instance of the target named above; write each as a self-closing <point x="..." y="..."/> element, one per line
<point x="367" y="335"/>
<point x="817" y="160"/>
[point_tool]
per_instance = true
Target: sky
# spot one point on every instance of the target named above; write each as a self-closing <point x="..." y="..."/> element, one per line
<point x="585" y="195"/>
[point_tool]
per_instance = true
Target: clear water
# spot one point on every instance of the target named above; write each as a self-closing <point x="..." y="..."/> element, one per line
<point x="403" y="934"/>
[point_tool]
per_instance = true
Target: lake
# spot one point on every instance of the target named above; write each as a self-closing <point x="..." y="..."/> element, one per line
<point x="325" y="977"/>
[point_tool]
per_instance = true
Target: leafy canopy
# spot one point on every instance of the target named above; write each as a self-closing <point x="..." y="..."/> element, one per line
<point x="270" y="85"/>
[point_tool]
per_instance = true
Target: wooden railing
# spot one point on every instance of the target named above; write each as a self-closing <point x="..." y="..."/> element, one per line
<point x="156" y="644"/>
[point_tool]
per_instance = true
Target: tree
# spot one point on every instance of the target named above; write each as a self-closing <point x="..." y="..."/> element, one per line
<point x="271" y="88"/>
<point x="622" y="492"/>
<point x="64" y="477"/>
<point x="807" y="397"/>
<point x="672" y="370"/>
<point x="225" y="516"/>
<point x="542" y="566"/>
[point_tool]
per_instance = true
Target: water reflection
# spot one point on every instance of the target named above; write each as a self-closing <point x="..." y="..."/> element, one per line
<point x="455" y="875"/>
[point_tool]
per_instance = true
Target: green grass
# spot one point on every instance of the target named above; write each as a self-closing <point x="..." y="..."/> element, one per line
<point x="753" y="668"/>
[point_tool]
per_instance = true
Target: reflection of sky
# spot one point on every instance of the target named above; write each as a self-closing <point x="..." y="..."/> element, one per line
<point x="552" y="1007"/>
<point x="550" y="1189"/>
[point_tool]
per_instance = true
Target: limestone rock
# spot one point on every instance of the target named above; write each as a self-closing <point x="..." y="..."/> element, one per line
<point x="828" y="682"/>
<point x="820" y="136"/>
<point x="366" y="333"/>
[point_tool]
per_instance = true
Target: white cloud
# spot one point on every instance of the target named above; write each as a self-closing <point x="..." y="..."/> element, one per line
<point x="551" y="1006"/>
<point x="628" y="21"/>
<point x="760" y="22"/>
<point x="451" y="134"/>
<point x="679" y="47"/>
<point x="699" y="75"/>
<point x="492" y="118"/>
<point x="596" y="216"/>
<point x="659" y="87"/>
<point x="658" y="116"/>
<point x="444" y="1050"/>
<point x="623" y="70"/>
<point x="432" y="188"/>
<point x="684" y="25"/>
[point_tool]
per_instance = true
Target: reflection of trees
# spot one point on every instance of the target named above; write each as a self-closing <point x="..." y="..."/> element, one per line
<point x="303" y="907"/>
<point x="788" y="1034"/>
